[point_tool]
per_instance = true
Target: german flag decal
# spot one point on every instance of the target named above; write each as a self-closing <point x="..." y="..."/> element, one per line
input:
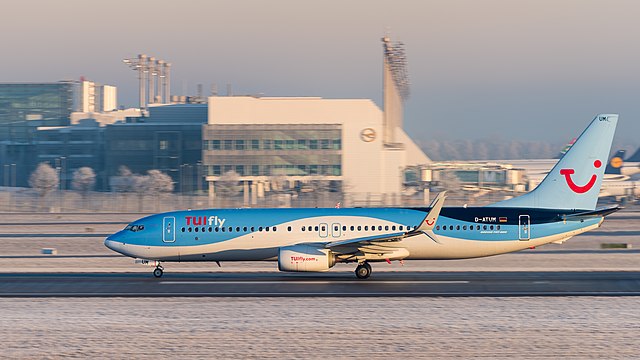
<point x="503" y="219"/>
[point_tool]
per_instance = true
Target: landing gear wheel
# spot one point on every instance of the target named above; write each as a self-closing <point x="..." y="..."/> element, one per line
<point x="368" y="267"/>
<point x="363" y="271"/>
<point x="157" y="272"/>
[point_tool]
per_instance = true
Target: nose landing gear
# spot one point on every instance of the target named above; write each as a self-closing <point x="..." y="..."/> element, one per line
<point x="363" y="270"/>
<point x="158" y="271"/>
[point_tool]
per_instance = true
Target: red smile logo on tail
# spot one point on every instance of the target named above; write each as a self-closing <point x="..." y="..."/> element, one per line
<point x="576" y="188"/>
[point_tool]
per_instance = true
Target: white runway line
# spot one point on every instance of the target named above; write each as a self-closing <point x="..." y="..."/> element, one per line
<point x="308" y="282"/>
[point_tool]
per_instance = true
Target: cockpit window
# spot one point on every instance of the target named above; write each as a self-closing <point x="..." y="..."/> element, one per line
<point x="134" y="227"/>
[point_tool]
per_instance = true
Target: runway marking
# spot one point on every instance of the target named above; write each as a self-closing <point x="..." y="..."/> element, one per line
<point x="323" y="294"/>
<point x="310" y="282"/>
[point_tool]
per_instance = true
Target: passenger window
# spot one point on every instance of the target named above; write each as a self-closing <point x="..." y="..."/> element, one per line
<point x="288" y="228"/>
<point x="217" y="229"/>
<point x="316" y="228"/>
<point x="379" y="227"/>
<point x="230" y="229"/>
<point x="260" y="228"/>
<point x="352" y="228"/>
<point x="237" y="228"/>
<point x="464" y="227"/>
<point x="497" y="227"/>
<point x="457" y="227"/>
<point x="336" y="228"/>
<point x="324" y="228"/>
<point x="189" y="229"/>
<point x="244" y="229"/>
<point x="223" y="229"/>
<point x="303" y="228"/>
<point x="140" y="227"/>
<point x="477" y="227"/>
<point x="266" y="228"/>
<point x="437" y="227"/>
<point x="344" y="228"/>
<point x="204" y="229"/>
<point x="253" y="229"/>
<point x="393" y="228"/>
<point x="196" y="229"/>
<point x="400" y="227"/>
<point x="491" y="227"/>
<point x="386" y="227"/>
<point x="210" y="229"/>
<point x="275" y="228"/>
<point x="450" y="227"/>
<point x="484" y="227"/>
<point x="182" y="229"/>
<point x="359" y="227"/>
<point x="366" y="228"/>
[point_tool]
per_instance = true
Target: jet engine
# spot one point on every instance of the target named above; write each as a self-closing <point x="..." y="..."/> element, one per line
<point x="305" y="258"/>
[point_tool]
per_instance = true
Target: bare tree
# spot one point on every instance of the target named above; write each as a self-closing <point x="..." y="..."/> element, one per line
<point x="158" y="182"/>
<point x="44" y="180"/>
<point x="155" y="183"/>
<point x="125" y="180"/>
<point x="84" y="179"/>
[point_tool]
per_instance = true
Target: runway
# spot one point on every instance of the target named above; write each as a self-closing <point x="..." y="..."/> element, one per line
<point x="338" y="284"/>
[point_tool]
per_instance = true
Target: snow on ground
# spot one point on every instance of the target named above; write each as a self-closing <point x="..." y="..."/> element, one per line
<point x="362" y="328"/>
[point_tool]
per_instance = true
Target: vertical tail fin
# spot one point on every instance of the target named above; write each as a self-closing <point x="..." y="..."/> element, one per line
<point x="574" y="183"/>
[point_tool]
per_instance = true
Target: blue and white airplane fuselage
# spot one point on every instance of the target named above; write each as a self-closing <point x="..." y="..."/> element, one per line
<point x="562" y="206"/>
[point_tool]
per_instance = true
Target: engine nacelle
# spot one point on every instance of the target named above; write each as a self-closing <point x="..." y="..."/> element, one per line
<point x="305" y="258"/>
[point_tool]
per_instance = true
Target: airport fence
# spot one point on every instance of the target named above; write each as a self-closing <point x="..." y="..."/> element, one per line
<point x="27" y="200"/>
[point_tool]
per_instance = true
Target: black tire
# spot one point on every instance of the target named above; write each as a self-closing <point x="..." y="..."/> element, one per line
<point x="368" y="267"/>
<point x="157" y="272"/>
<point x="363" y="271"/>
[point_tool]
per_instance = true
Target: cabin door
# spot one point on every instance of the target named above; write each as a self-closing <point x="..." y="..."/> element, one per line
<point x="524" y="228"/>
<point x="169" y="229"/>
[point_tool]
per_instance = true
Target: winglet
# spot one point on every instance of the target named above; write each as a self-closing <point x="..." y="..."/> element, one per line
<point x="429" y="221"/>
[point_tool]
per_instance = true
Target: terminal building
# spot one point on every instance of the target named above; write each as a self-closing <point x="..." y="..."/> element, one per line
<point x="307" y="139"/>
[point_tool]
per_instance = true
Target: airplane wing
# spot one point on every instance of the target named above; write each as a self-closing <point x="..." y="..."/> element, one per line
<point x="382" y="244"/>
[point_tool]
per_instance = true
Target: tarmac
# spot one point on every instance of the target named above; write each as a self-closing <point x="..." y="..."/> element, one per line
<point x="385" y="284"/>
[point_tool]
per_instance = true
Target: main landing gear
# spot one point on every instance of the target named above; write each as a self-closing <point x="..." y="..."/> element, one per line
<point x="158" y="271"/>
<point x="363" y="270"/>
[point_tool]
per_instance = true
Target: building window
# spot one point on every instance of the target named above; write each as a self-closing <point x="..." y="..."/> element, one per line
<point x="216" y="170"/>
<point x="255" y="144"/>
<point x="337" y="144"/>
<point x="239" y="144"/>
<point x="266" y="143"/>
<point x="325" y="144"/>
<point x="215" y="145"/>
<point x="278" y="145"/>
<point x="302" y="144"/>
<point x="255" y="170"/>
<point x="240" y="170"/>
<point x="228" y="144"/>
<point x="313" y="144"/>
<point x="164" y="144"/>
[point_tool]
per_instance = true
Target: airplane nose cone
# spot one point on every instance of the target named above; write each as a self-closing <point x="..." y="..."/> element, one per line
<point x="111" y="243"/>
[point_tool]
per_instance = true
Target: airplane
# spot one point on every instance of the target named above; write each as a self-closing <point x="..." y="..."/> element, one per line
<point x="315" y="239"/>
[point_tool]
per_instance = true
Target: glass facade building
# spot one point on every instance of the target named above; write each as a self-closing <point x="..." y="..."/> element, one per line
<point x="23" y="107"/>
<point x="255" y="150"/>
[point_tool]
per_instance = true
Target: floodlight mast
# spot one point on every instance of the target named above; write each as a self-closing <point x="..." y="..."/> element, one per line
<point x="150" y="73"/>
<point x="396" y="58"/>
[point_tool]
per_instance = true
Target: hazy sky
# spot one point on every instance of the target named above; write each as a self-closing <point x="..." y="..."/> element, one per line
<point x="536" y="70"/>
